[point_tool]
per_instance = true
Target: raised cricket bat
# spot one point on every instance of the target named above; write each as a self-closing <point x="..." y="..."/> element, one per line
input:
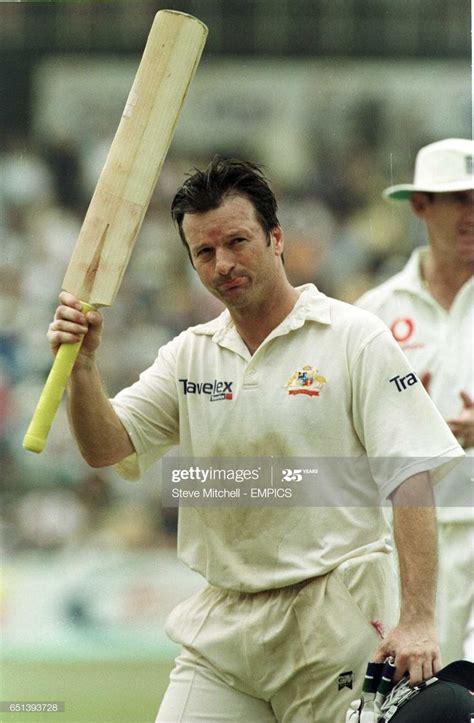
<point x="125" y="187"/>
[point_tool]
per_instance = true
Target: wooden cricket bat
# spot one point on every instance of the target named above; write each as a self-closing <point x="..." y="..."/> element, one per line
<point x="125" y="187"/>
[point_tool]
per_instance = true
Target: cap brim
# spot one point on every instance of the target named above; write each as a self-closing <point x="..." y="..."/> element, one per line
<point x="403" y="191"/>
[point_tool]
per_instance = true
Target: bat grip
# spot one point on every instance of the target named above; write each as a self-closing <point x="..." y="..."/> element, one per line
<point x="37" y="433"/>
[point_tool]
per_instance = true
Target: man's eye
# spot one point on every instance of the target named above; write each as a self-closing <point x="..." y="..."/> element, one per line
<point x="203" y="252"/>
<point x="461" y="198"/>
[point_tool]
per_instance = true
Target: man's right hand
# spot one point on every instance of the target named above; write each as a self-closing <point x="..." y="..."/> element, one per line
<point x="70" y="325"/>
<point x="101" y="436"/>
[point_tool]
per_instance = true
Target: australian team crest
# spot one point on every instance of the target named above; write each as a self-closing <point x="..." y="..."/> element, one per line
<point x="306" y="381"/>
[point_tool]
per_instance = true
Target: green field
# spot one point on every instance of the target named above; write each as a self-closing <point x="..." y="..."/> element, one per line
<point x="95" y="692"/>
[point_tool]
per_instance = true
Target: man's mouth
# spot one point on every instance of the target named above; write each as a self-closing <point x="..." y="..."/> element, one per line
<point x="232" y="283"/>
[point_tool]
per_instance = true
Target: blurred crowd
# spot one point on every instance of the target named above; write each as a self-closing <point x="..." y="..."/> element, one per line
<point x="339" y="234"/>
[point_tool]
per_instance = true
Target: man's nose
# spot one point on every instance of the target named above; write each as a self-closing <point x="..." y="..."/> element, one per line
<point x="469" y="208"/>
<point x="224" y="261"/>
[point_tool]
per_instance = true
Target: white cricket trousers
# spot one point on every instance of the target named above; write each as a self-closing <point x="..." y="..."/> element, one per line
<point x="294" y="655"/>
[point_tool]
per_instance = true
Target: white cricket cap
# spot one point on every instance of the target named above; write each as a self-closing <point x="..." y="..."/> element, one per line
<point x="439" y="168"/>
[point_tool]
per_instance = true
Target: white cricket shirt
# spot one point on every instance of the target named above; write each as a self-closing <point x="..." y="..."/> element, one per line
<point x="439" y="341"/>
<point x="365" y="401"/>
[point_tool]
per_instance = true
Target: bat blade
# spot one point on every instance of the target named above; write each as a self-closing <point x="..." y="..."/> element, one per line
<point x="130" y="173"/>
<point x="125" y="186"/>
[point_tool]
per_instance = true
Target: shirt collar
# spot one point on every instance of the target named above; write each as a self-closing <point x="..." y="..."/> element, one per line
<point x="312" y="305"/>
<point x="411" y="278"/>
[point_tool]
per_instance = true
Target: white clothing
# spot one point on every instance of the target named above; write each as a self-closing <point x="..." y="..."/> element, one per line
<point x="207" y="393"/>
<point x="294" y="655"/>
<point x="441" y="342"/>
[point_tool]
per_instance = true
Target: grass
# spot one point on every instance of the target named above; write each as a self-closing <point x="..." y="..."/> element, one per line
<point x="93" y="692"/>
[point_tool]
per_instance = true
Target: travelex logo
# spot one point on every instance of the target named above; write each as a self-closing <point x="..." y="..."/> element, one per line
<point x="216" y="390"/>
<point x="403" y="383"/>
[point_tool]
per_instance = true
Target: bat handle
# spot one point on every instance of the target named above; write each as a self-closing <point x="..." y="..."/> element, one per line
<point x="37" y="433"/>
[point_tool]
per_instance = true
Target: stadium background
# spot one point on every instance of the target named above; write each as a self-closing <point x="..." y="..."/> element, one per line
<point x="334" y="97"/>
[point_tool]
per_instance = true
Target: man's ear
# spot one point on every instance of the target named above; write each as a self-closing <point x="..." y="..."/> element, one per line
<point x="277" y="240"/>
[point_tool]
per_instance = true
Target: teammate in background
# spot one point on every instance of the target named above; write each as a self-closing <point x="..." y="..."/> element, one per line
<point x="429" y="308"/>
<point x="298" y="597"/>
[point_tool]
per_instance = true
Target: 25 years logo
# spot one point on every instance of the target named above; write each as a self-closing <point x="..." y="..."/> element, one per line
<point x="296" y="475"/>
<point x="291" y="475"/>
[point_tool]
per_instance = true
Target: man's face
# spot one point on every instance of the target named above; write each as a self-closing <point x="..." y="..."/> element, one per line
<point x="232" y="254"/>
<point x="449" y="218"/>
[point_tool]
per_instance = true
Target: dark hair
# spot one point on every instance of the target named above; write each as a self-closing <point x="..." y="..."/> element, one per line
<point x="206" y="190"/>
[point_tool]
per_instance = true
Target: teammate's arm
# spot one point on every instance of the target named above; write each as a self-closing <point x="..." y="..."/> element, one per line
<point x="101" y="436"/>
<point x="462" y="426"/>
<point x="413" y="642"/>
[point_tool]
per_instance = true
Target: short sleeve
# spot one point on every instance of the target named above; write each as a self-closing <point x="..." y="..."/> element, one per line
<point x="149" y="411"/>
<point x="398" y="424"/>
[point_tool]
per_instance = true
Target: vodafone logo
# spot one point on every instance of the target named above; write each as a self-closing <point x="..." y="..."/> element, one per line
<point x="402" y="329"/>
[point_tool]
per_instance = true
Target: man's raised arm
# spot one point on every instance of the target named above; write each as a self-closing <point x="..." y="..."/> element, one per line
<point x="101" y="436"/>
